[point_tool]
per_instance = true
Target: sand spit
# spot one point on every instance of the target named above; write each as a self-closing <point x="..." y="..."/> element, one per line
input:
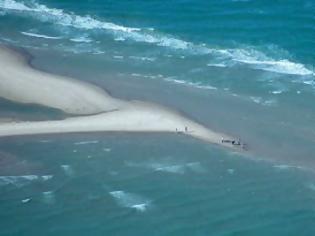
<point x="21" y="83"/>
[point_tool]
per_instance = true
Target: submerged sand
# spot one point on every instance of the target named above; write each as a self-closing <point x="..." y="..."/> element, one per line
<point x="21" y="83"/>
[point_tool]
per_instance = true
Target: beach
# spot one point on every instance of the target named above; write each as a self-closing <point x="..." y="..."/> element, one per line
<point x="185" y="118"/>
<point x="21" y="83"/>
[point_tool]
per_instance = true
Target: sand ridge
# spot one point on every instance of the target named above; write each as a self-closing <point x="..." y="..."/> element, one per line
<point x="21" y="83"/>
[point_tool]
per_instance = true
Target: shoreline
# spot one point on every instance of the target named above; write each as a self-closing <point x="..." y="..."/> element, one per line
<point x="94" y="109"/>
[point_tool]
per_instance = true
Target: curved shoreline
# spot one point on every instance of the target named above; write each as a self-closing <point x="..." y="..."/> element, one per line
<point x="95" y="110"/>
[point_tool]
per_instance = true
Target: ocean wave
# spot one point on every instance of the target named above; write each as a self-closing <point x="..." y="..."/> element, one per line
<point x="286" y="167"/>
<point x="248" y="56"/>
<point x="143" y="58"/>
<point x="169" y="167"/>
<point x="130" y="200"/>
<point x="189" y="83"/>
<point x="262" y="62"/>
<point x="60" y="17"/>
<point x="22" y="180"/>
<point x="40" y="35"/>
<point x="81" y="40"/>
<point x="264" y="102"/>
<point x="216" y="65"/>
<point x="86" y="142"/>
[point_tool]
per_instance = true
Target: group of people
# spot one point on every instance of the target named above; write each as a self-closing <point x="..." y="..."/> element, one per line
<point x="234" y="142"/>
<point x="186" y="130"/>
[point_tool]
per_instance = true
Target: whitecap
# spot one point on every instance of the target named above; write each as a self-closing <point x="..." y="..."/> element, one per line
<point x="46" y="177"/>
<point x="249" y="56"/>
<point x="60" y="17"/>
<point x="131" y="200"/>
<point x="175" y="169"/>
<point x="26" y="200"/>
<point x="81" y="40"/>
<point x="40" y="35"/>
<point x="260" y="61"/>
<point x="22" y="180"/>
<point x="260" y="100"/>
<point x="118" y="57"/>
<point x="189" y="83"/>
<point x="119" y="39"/>
<point x="142" y="58"/>
<point x="107" y="149"/>
<point x="216" y="65"/>
<point x="168" y="167"/>
<point x="277" y="91"/>
<point x="286" y="167"/>
<point x="86" y="142"/>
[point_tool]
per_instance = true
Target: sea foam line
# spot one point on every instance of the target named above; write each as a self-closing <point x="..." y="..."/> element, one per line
<point x="39" y="35"/>
<point x="250" y="57"/>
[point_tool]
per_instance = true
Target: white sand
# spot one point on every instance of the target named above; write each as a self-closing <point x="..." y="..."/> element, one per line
<point x="20" y="83"/>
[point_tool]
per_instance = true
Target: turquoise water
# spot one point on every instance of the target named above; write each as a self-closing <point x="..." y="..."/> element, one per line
<point x="241" y="67"/>
<point x="152" y="184"/>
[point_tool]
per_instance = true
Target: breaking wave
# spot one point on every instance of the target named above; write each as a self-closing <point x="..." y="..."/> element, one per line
<point x="40" y="35"/>
<point x="250" y="57"/>
<point x="22" y="180"/>
<point x="130" y="200"/>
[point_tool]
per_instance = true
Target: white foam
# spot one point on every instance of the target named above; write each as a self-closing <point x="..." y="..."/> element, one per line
<point x="22" y="180"/>
<point x="286" y="167"/>
<point x="259" y="100"/>
<point x="17" y="181"/>
<point x="119" y="39"/>
<point x="60" y="17"/>
<point x="143" y="58"/>
<point x="26" y="200"/>
<point x="169" y="167"/>
<point x="216" y="65"/>
<point x="260" y="61"/>
<point x="277" y="91"/>
<point x="46" y="177"/>
<point x="40" y="35"/>
<point x="174" y="169"/>
<point x="81" y="40"/>
<point x="86" y="142"/>
<point x="107" y="149"/>
<point x="188" y="83"/>
<point x="118" y="57"/>
<point x="130" y="200"/>
<point x="248" y="56"/>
